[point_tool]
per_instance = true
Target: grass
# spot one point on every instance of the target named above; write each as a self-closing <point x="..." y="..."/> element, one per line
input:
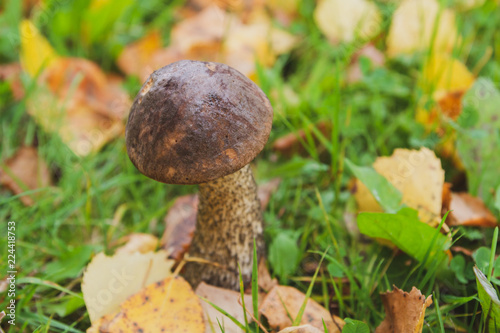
<point x="102" y="197"/>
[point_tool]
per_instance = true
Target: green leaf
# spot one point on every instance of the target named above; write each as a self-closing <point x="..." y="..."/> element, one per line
<point x="386" y="195"/>
<point x="355" y="326"/>
<point x="457" y="265"/>
<point x="478" y="140"/>
<point x="489" y="301"/>
<point x="405" y="230"/>
<point x="482" y="258"/>
<point x="284" y="254"/>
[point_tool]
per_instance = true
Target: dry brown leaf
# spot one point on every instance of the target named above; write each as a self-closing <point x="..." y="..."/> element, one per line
<point x="265" y="281"/>
<point x="109" y="281"/>
<point x="216" y="35"/>
<point x="404" y="312"/>
<point x="138" y="242"/>
<point x="180" y="226"/>
<point x="180" y="221"/>
<point x="301" y="329"/>
<point x="446" y="198"/>
<point x="135" y="59"/>
<point x="413" y="24"/>
<point x="344" y="21"/>
<point x="291" y="144"/>
<point x="377" y="58"/>
<point x="467" y="210"/>
<point x="225" y="299"/>
<point x="417" y="174"/>
<point x="79" y="102"/>
<point x="11" y="73"/>
<point x="169" y="305"/>
<point x="273" y="308"/>
<point x="23" y="172"/>
<point x="205" y="30"/>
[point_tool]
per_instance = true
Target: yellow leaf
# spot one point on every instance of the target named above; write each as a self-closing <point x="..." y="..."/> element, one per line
<point x="443" y="74"/>
<point x="36" y="52"/>
<point x="413" y="25"/>
<point x="108" y="281"/>
<point x="169" y="305"/>
<point x="343" y="21"/>
<point x="418" y="175"/>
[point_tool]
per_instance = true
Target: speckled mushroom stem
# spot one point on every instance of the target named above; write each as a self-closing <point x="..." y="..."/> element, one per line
<point x="229" y="218"/>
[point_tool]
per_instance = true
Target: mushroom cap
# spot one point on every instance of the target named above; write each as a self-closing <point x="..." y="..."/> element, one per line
<point x="195" y="121"/>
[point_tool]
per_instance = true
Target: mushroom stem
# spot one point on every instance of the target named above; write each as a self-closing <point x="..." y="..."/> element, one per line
<point x="229" y="219"/>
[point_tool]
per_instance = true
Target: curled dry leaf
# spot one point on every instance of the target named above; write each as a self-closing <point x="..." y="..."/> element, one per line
<point x="404" y="312"/>
<point x="180" y="221"/>
<point x="138" y="242"/>
<point x="301" y="329"/>
<point x="417" y="174"/>
<point x="467" y="210"/>
<point x="413" y="24"/>
<point x="108" y="281"/>
<point x="282" y="300"/>
<point x="23" y="172"/>
<point x="168" y="305"/>
<point x="343" y="21"/>
<point x="226" y="299"/>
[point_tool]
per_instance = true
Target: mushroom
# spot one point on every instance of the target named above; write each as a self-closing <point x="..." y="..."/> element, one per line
<point x="202" y="123"/>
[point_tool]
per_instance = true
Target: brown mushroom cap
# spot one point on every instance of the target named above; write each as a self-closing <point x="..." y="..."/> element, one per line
<point x="195" y="121"/>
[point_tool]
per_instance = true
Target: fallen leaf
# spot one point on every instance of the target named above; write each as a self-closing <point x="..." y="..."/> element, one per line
<point x="180" y="222"/>
<point x="180" y="225"/>
<point x="138" y="242"/>
<point x="282" y="300"/>
<point x="344" y="21"/>
<point x="36" y="52"/>
<point x="417" y="174"/>
<point x="301" y="329"/>
<point x="265" y="281"/>
<point x="404" y="312"/>
<point x="446" y="198"/>
<point x="228" y="301"/>
<point x="213" y="34"/>
<point x="467" y="210"/>
<point x="168" y="305"/>
<point x="136" y="58"/>
<point x="23" y="172"/>
<point x="11" y="73"/>
<point x="413" y="24"/>
<point x="76" y="100"/>
<point x="109" y="281"/>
